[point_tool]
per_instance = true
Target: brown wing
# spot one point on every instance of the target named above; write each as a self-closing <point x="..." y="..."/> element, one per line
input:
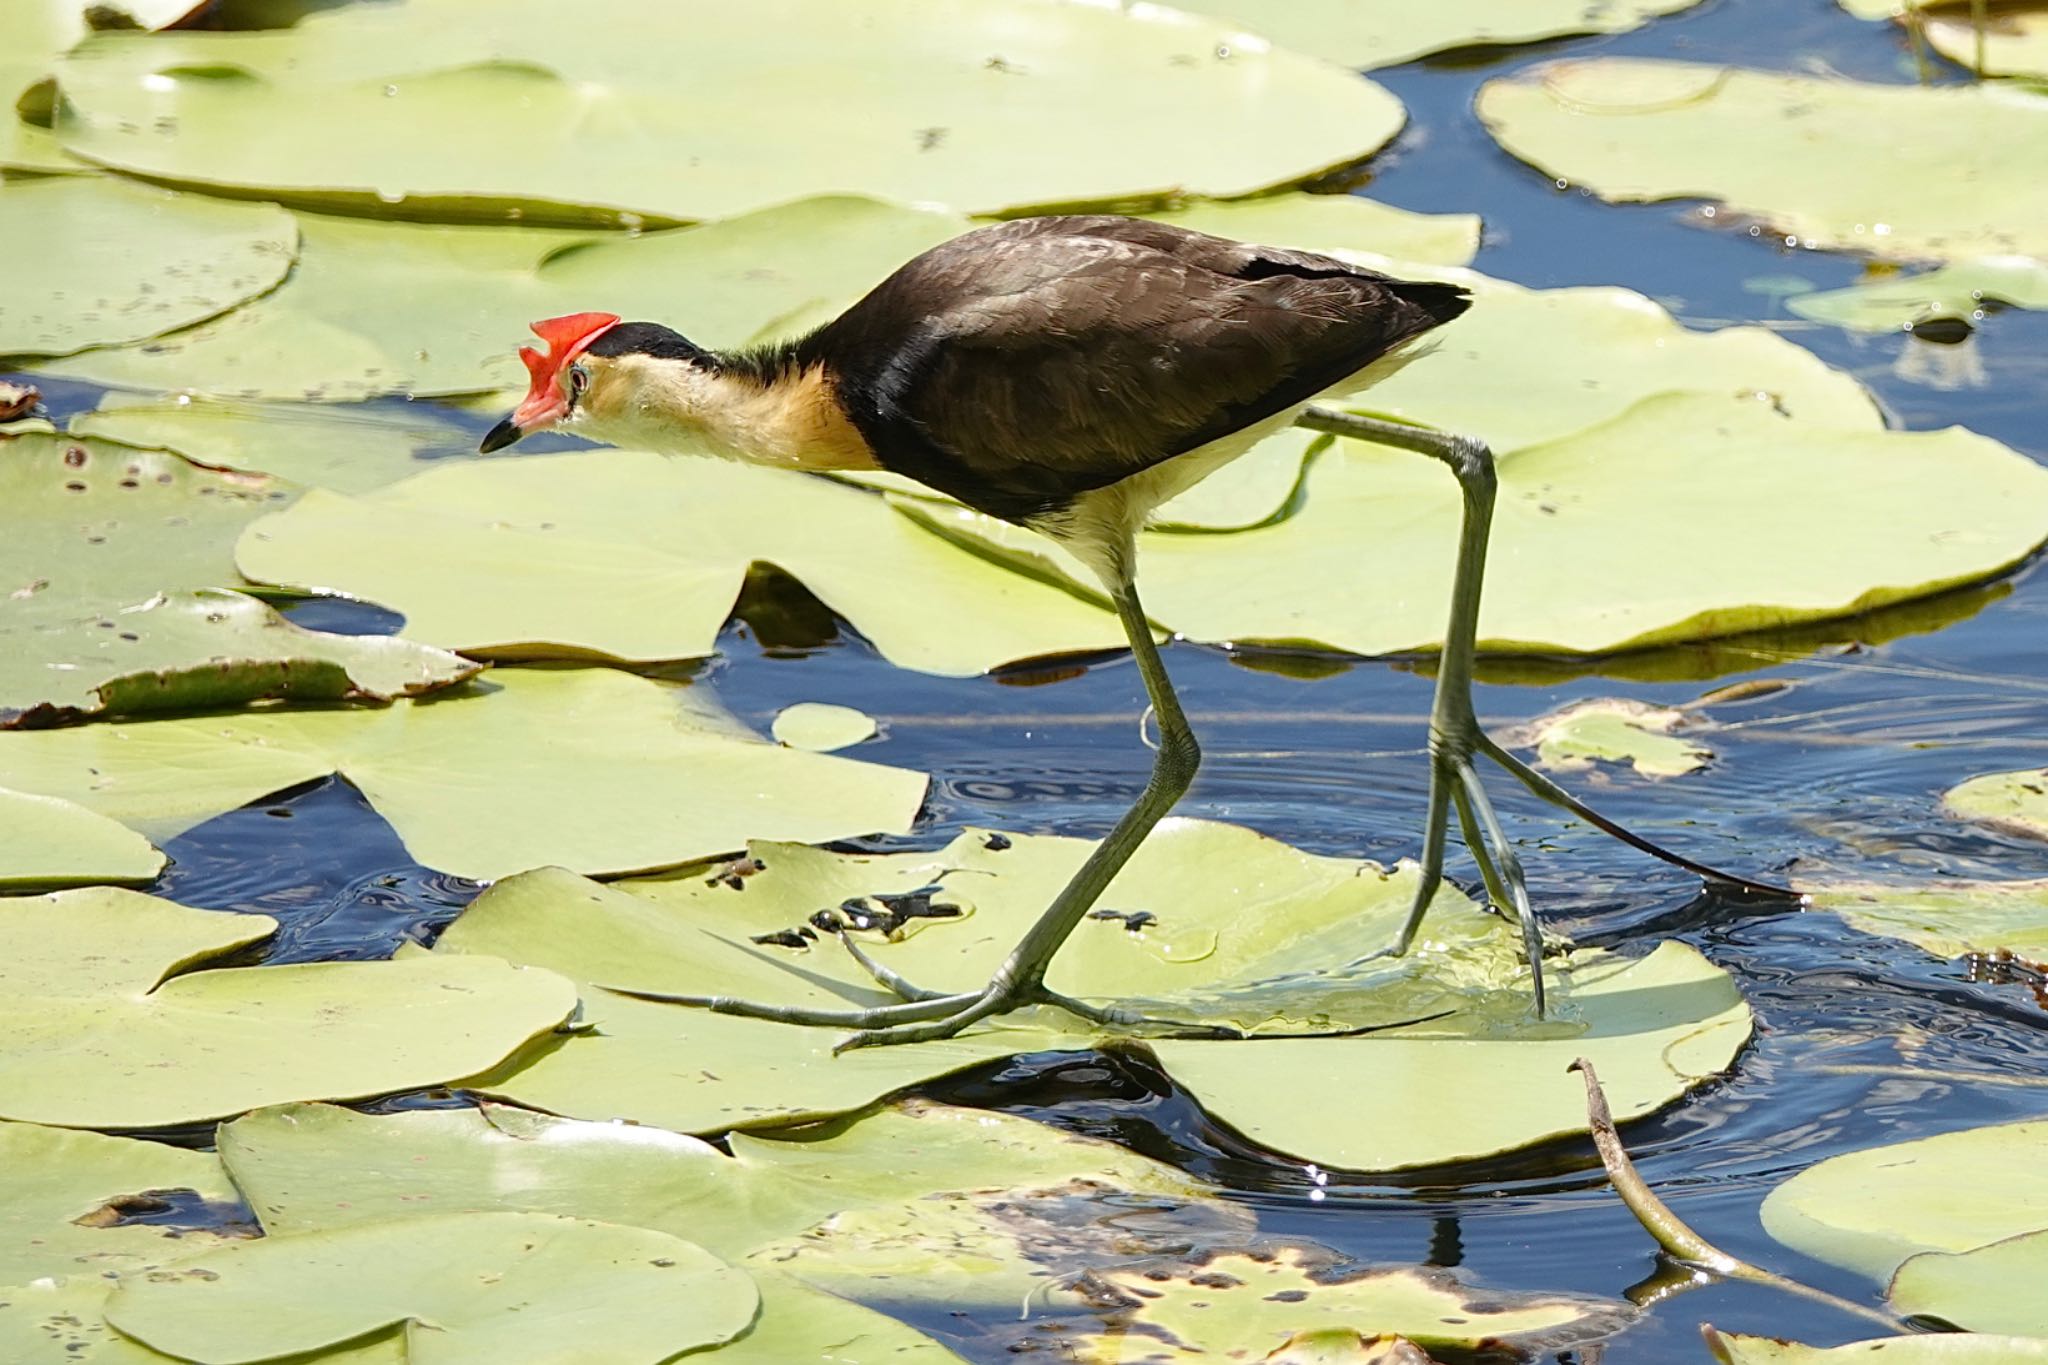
<point x="1021" y="365"/>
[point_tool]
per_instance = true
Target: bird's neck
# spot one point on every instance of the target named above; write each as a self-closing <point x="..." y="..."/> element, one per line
<point x="784" y="415"/>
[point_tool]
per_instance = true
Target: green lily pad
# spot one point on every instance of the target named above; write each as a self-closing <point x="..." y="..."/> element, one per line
<point x="53" y="1321"/>
<point x="458" y="1287"/>
<point x="1952" y="291"/>
<point x="107" y="1029"/>
<point x="1993" y="1288"/>
<point x="1371" y="35"/>
<point x="1868" y="1211"/>
<point x="95" y="261"/>
<point x="1249" y="1302"/>
<point x="822" y="727"/>
<point x="2015" y="40"/>
<point x="1792" y="151"/>
<point x="1948" y="917"/>
<point x="636" y="556"/>
<point x="1333" y="223"/>
<point x="589" y="768"/>
<point x="36" y="34"/>
<point x="46" y="843"/>
<point x="1677" y="481"/>
<point x="350" y="450"/>
<point x="2016" y="802"/>
<point x="380" y="308"/>
<point x="202" y="648"/>
<point x="989" y="108"/>
<point x="1947" y="1348"/>
<point x="56" y="1183"/>
<point x="1616" y="730"/>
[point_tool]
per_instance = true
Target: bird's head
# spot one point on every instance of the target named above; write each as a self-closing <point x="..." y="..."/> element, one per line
<point x="598" y="375"/>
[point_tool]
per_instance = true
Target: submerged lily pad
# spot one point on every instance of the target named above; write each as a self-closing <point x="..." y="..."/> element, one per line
<point x="2016" y="802"/>
<point x="1793" y="151"/>
<point x="628" y="555"/>
<point x="46" y="843"/>
<point x="1991" y="1288"/>
<point x="1613" y="729"/>
<point x="1948" y="917"/>
<point x="457" y="1287"/>
<point x="1678" y="481"/>
<point x="988" y="108"/>
<point x="1945" y="1348"/>
<point x="822" y="727"/>
<point x="592" y="768"/>
<point x="1870" y="1210"/>
<point x="1369" y="35"/>
<point x="1953" y="291"/>
<point x="95" y="261"/>
<point x="107" y="1028"/>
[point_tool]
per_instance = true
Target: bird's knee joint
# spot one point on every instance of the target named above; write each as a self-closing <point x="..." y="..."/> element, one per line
<point x="1472" y="458"/>
<point x="1181" y="755"/>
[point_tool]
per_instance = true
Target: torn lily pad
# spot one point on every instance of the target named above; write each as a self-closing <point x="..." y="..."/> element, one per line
<point x="109" y="1026"/>
<point x="628" y="555"/>
<point x="589" y="768"/>
<point x="822" y="727"/>
<point x="1386" y="35"/>
<point x="96" y="261"/>
<point x="1943" y="1348"/>
<point x="1963" y="290"/>
<point x="990" y="108"/>
<point x="46" y="843"/>
<point x="1614" y="730"/>
<point x="456" y="1287"/>
<point x="2015" y="802"/>
<point x="1792" y="151"/>
<point x="1869" y="1211"/>
<point x="1946" y="917"/>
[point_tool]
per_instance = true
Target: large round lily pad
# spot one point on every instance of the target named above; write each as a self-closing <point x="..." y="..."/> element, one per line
<point x="46" y="842"/>
<point x="458" y="1287"/>
<point x="591" y="768"/>
<point x="95" y="261"/>
<point x="1369" y="35"/>
<point x="106" y="1028"/>
<point x="987" y="107"/>
<point x="1796" y="152"/>
<point x="1870" y="1210"/>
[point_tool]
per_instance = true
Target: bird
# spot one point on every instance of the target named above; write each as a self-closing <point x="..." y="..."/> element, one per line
<point x="1071" y="373"/>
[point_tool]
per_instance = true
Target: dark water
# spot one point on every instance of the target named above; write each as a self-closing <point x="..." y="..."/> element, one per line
<point x="1841" y="768"/>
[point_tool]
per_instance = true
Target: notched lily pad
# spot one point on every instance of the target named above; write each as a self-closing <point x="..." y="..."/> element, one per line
<point x="457" y="1287"/>
<point x="1615" y="730"/>
<point x="47" y="843"/>
<point x="108" y="1028"/>
<point x="2015" y="802"/>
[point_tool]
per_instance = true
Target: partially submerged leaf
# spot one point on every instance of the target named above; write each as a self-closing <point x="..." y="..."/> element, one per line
<point x="1793" y="151"/>
<point x="822" y="727"/>
<point x="46" y="843"/>
<point x="1991" y="1288"/>
<point x="2016" y="802"/>
<point x="1613" y="729"/>
<point x="1870" y="1210"/>
<point x="459" y="1287"/>
<point x="107" y="1029"/>
<point x="1941" y="1348"/>
<point x="590" y="768"/>
<point x="989" y="108"/>
<point x="1370" y="35"/>
<point x="1947" y="917"/>
<point x="1962" y="290"/>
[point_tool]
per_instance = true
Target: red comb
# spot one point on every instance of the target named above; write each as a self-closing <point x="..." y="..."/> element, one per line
<point x="567" y="337"/>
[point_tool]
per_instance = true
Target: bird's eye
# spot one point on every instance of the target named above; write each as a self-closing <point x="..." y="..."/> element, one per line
<point x="579" y="380"/>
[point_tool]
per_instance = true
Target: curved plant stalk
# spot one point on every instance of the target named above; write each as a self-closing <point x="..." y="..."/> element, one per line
<point x="1678" y="1240"/>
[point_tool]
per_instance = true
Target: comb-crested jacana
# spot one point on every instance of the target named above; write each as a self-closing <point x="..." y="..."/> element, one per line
<point x="1071" y="374"/>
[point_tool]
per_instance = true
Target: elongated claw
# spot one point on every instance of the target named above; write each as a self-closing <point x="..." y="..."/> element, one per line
<point x="889" y="978"/>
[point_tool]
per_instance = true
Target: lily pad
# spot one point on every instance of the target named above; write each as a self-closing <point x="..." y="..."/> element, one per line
<point x="1952" y="291"/>
<point x="106" y="1028"/>
<point x="36" y="34"/>
<point x="1677" y="481"/>
<point x="95" y="261"/>
<point x="1949" y="917"/>
<point x="1333" y="223"/>
<point x="46" y="843"/>
<point x="457" y="1287"/>
<point x="57" y="1321"/>
<point x="1868" y="1211"/>
<point x="1372" y="35"/>
<point x="347" y="449"/>
<point x="1992" y="1288"/>
<point x="1946" y="1348"/>
<point x="629" y="555"/>
<point x="381" y="308"/>
<point x="822" y="727"/>
<point x="1613" y="729"/>
<point x="2016" y="802"/>
<point x="1792" y="151"/>
<point x="989" y="108"/>
<point x="2015" y="40"/>
<point x="54" y="1185"/>
<point x="590" y="768"/>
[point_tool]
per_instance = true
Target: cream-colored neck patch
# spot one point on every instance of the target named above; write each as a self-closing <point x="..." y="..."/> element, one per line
<point x="672" y="406"/>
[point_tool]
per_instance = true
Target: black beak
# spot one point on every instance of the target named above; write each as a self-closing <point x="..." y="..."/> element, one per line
<point x="500" y="436"/>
